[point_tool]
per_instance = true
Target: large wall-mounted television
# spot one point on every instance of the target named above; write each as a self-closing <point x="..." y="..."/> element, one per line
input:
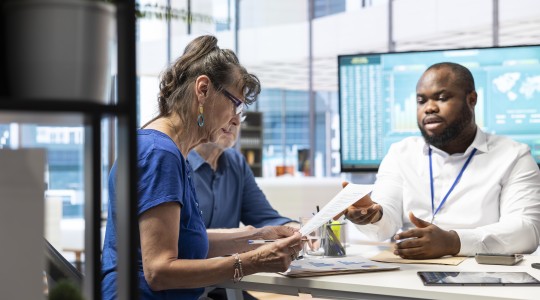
<point x="377" y="98"/>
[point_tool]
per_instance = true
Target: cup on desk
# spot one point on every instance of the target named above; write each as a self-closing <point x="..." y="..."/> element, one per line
<point x="334" y="238"/>
<point x="313" y="246"/>
<point x="326" y="241"/>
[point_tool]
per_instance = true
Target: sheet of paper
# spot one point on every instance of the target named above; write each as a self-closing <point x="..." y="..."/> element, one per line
<point x="335" y="265"/>
<point x="389" y="256"/>
<point x="346" y="197"/>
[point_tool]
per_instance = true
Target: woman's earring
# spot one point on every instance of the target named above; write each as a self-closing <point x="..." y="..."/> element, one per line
<point x="200" y="117"/>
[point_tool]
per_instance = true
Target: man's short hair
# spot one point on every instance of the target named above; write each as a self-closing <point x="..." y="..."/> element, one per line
<point x="463" y="75"/>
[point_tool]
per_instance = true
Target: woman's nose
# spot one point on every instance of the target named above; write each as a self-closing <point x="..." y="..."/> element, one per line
<point x="235" y="120"/>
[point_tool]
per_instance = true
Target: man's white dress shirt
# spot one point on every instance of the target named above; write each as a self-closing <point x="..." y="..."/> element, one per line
<point x="494" y="208"/>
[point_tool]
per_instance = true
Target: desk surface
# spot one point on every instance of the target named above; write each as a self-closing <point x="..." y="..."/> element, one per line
<point x="400" y="284"/>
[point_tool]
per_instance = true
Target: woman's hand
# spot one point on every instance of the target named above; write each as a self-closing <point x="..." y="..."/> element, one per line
<point x="274" y="232"/>
<point x="275" y="256"/>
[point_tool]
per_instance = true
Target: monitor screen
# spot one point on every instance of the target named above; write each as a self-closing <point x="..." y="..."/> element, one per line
<point x="377" y="98"/>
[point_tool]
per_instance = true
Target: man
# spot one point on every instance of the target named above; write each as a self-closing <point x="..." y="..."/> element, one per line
<point x="226" y="187"/>
<point x="461" y="190"/>
<point x="227" y="191"/>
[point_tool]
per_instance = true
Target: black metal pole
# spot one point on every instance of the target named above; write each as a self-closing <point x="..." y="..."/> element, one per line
<point x="391" y="43"/>
<point x="189" y="19"/>
<point x="495" y="34"/>
<point x="169" y="30"/>
<point x="3" y="58"/>
<point x="311" y="93"/>
<point x="236" y="26"/>
<point x="127" y="147"/>
<point x="92" y="209"/>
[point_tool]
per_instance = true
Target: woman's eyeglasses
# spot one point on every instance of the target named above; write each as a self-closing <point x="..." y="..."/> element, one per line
<point x="237" y="102"/>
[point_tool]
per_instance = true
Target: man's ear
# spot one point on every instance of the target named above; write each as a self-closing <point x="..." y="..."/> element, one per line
<point x="472" y="98"/>
<point x="202" y="85"/>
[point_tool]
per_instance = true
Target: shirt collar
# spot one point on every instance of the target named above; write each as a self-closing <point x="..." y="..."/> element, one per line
<point x="196" y="160"/>
<point x="479" y="142"/>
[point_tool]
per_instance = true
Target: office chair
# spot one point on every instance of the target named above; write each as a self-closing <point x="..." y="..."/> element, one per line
<point x="57" y="268"/>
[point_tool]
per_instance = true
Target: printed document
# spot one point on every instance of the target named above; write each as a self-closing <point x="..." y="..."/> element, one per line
<point x="345" y="198"/>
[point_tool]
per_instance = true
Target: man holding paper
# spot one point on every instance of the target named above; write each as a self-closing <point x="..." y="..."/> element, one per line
<point x="461" y="190"/>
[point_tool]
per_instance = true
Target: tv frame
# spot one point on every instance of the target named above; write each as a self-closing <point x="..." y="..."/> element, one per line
<point x="370" y="168"/>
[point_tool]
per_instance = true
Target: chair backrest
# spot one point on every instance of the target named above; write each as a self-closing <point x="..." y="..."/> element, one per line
<point x="59" y="268"/>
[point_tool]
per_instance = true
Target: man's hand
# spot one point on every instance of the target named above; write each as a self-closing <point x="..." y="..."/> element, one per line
<point x="426" y="241"/>
<point x="363" y="211"/>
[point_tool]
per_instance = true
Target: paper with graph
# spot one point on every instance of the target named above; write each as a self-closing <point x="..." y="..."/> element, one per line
<point x="335" y="265"/>
<point x="346" y="197"/>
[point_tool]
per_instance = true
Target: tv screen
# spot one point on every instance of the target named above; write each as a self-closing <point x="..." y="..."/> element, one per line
<point x="377" y="98"/>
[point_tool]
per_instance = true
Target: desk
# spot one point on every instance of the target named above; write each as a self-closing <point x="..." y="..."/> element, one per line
<point x="400" y="284"/>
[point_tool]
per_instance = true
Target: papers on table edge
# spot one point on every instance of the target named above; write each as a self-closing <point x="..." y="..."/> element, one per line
<point x="335" y="265"/>
<point x="389" y="257"/>
<point x="346" y="197"/>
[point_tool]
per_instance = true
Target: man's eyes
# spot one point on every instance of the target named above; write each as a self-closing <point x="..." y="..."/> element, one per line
<point x="422" y="100"/>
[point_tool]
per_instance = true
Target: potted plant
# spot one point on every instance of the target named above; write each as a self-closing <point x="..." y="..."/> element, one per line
<point x="65" y="290"/>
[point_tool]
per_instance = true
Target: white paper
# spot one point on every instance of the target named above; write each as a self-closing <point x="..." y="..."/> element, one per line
<point x="335" y="265"/>
<point x="345" y="198"/>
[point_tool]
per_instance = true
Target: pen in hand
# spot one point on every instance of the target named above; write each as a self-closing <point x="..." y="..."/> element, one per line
<point x="253" y="242"/>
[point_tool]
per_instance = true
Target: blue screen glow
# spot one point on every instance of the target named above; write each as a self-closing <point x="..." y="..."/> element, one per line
<point x="377" y="94"/>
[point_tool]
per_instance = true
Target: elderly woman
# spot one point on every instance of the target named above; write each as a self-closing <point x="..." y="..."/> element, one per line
<point x="201" y="95"/>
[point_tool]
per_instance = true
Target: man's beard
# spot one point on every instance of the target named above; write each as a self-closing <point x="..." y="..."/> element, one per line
<point x="451" y="132"/>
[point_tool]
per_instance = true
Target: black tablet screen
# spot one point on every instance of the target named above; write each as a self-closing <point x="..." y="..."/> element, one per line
<point x="477" y="278"/>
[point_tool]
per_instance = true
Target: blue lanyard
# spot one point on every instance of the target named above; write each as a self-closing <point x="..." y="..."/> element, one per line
<point x="433" y="211"/>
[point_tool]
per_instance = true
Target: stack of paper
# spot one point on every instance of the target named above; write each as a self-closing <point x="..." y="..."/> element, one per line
<point x="335" y="265"/>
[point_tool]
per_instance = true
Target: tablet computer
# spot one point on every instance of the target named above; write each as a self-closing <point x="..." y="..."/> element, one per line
<point x="478" y="278"/>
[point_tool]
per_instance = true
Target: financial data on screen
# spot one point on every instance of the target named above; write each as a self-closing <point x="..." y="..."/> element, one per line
<point x="377" y="94"/>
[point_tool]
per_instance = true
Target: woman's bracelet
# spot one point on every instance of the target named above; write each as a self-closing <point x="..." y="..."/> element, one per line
<point x="238" y="271"/>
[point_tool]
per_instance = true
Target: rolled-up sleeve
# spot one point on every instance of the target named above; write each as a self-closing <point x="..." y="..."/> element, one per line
<point x="518" y="229"/>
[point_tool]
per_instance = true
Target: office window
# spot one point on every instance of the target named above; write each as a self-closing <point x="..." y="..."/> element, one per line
<point x="5" y="136"/>
<point x="223" y="15"/>
<point x="287" y="133"/>
<point x="323" y="8"/>
<point x="64" y="160"/>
